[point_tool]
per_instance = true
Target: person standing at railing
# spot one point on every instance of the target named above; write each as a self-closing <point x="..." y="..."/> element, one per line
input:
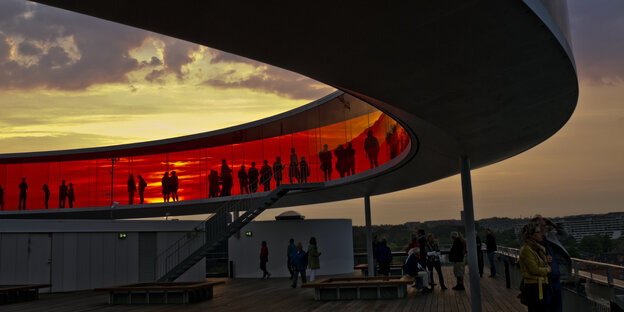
<point x="22" y="195"/>
<point x="349" y="159"/>
<point x="226" y="178"/>
<point x="371" y="147"/>
<point x="277" y="171"/>
<point x="534" y="267"/>
<point x="456" y="256"/>
<point x="142" y="186"/>
<point x="71" y="195"/>
<point x="62" y="194"/>
<point x="165" y="186"/>
<point x="253" y="178"/>
<point x="384" y="257"/>
<point x="558" y="258"/>
<point x="131" y="189"/>
<point x="265" y="176"/>
<point x="293" y="168"/>
<point x="173" y="186"/>
<point x="213" y="184"/>
<point x="325" y="156"/>
<point x="243" y="180"/>
<point x="304" y="171"/>
<point x="490" y="245"/>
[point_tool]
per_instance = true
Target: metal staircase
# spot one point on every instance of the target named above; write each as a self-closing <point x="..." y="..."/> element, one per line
<point x="194" y="246"/>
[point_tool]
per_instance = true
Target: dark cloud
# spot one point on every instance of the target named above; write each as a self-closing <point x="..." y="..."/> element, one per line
<point x="155" y="76"/>
<point x="152" y="63"/>
<point x="177" y="54"/>
<point x="273" y="80"/>
<point x="5" y="49"/>
<point x="597" y="29"/>
<point x="28" y="49"/>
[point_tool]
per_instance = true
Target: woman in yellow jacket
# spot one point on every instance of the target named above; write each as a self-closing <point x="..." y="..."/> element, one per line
<point x="534" y="267"/>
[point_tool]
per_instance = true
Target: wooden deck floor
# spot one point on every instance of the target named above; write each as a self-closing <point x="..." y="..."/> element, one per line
<point x="277" y="295"/>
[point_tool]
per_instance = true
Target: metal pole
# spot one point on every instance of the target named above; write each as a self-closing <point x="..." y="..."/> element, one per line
<point x="369" y="237"/>
<point x="471" y="241"/>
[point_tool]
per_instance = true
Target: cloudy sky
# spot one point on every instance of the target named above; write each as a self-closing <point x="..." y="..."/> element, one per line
<point x="72" y="81"/>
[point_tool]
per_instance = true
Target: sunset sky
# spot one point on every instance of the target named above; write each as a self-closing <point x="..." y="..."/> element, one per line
<point x="72" y="81"/>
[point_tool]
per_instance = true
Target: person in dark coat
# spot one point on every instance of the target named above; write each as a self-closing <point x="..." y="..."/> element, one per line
<point x="490" y="245"/>
<point x="304" y="171"/>
<point x="264" y="258"/>
<point x="456" y="256"/>
<point x="349" y="159"/>
<point x="277" y="171"/>
<point x="384" y="257"/>
<point x="371" y="147"/>
<point x="480" y="255"/>
<point x="265" y="176"/>
<point x="299" y="262"/>
<point x="412" y="270"/>
<point x="165" y="187"/>
<point x="226" y="178"/>
<point x="325" y="156"/>
<point x="253" y="175"/>
<point x="422" y="241"/>
<point x="142" y="186"/>
<point x="173" y="186"/>
<point x="243" y="180"/>
<point x="340" y="160"/>
<point x="22" y="196"/>
<point x="71" y="195"/>
<point x="213" y="184"/>
<point x="46" y="195"/>
<point x="62" y="194"/>
<point x="2" y="198"/>
<point x="131" y="189"/>
<point x="293" y="168"/>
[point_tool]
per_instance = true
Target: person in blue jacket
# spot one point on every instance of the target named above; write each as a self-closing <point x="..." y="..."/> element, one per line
<point x="384" y="257"/>
<point x="290" y="253"/>
<point x="299" y="262"/>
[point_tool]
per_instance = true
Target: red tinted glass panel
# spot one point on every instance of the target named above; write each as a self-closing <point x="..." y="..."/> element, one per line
<point x="152" y="169"/>
<point x="186" y="167"/>
<point x="76" y="173"/>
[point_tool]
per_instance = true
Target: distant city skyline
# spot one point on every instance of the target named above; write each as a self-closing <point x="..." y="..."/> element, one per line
<point x="71" y="81"/>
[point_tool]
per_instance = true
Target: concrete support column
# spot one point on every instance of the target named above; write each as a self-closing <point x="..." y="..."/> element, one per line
<point x="369" y="237"/>
<point x="471" y="241"/>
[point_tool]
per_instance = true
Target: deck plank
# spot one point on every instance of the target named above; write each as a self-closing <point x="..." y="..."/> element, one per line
<point x="276" y="295"/>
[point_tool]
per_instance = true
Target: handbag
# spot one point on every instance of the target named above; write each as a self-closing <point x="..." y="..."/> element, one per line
<point x="522" y="296"/>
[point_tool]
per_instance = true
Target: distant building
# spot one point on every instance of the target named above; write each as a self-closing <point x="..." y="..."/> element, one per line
<point x="610" y="224"/>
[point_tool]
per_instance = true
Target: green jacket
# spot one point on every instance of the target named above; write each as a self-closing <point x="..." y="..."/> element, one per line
<point x="313" y="257"/>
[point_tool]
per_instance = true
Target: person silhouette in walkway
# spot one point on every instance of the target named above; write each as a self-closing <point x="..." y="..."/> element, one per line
<point x="243" y="180"/>
<point x="304" y="171"/>
<point x="293" y="168"/>
<point x="46" y="195"/>
<point x="340" y="160"/>
<point x="349" y="154"/>
<point x="277" y="171"/>
<point x="1" y="198"/>
<point x="264" y="258"/>
<point x="253" y="178"/>
<point x="265" y="176"/>
<point x="393" y="142"/>
<point x="22" y="196"/>
<point x="142" y="186"/>
<point x="173" y="186"/>
<point x="325" y="156"/>
<point x="165" y="187"/>
<point x="62" y="194"/>
<point x="71" y="195"/>
<point x="226" y="178"/>
<point x="131" y="189"/>
<point x="371" y="147"/>
<point x="213" y="184"/>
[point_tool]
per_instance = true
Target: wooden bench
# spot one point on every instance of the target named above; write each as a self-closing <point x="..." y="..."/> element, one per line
<point x="19" y="293"/>
<point x="350" y="288"/>
<point x="395" y="269"/>
<point x="160" y="292"/>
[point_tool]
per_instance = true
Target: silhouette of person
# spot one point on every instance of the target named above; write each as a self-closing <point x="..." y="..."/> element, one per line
<point x="371" y="147"/>
<point x="22" y="196"/>
<point x="142" y="186"/>
<point x="293" y="169"/>
<point x="277" y="171"/>
<point x="253" y="178"/>
<point x="393" y="142"/>
<point x="62" y="194"/>
<point x="304" y="171"/>
<point x="226" y="178"/>
<point x="173" y="186"/>
<point x="131" y="189"/>
<point x="213" y="184"/>
<point x="46" y="194"/>
<point x="325" y="156"/>
<point x="71" y="195"/>
<point x="1" y="198"/>
<point x="243" y="180"/>
<point x="340" y="160"/>
<point x="165" y="187"/>
<point x="265" y="176"/>
<point x="349" y="154"/>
